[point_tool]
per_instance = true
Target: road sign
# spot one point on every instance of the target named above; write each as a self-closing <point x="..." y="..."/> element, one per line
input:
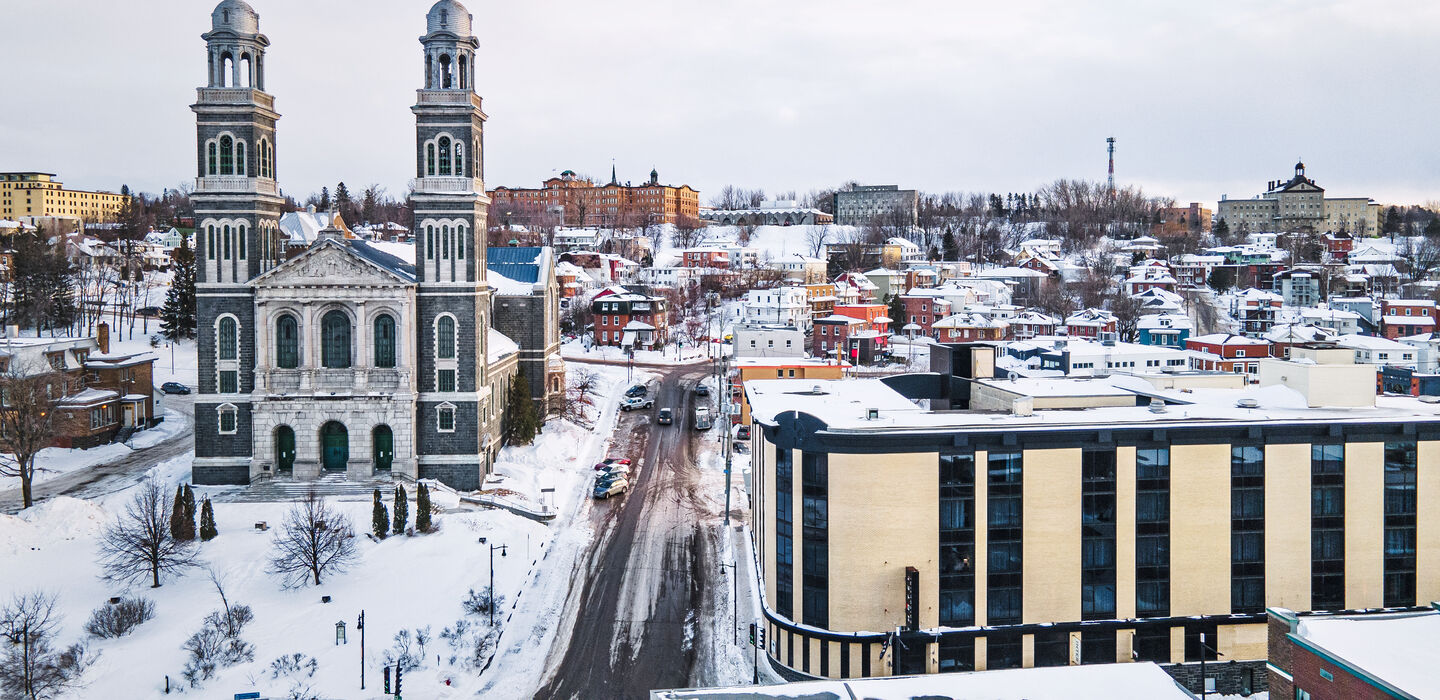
<point x="247" y="696"/>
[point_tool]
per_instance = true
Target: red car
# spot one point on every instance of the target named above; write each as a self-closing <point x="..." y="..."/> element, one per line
<point x="612" y="460"/>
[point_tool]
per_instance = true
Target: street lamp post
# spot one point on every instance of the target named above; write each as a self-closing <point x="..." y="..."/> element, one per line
<point x="735" y="606"/>
<point x="493" y="599"/>
<point x="360" y="625"/>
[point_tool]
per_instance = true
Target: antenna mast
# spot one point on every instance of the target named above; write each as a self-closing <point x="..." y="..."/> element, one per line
<point x="1111" y="182"/>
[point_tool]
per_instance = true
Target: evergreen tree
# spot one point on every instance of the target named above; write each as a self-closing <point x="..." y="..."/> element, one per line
<point x="422" y="508"/>
<point x="1221" y="230"/>
<point x="343" y="203"/>
<point x="177" y="515"/>
<point x="207" y="522"/>
<point x="42" y="284"/>
<point x="177" y="318"/>
<point x="189" y="525"/>
<point x="324" y="199"/>
<point x="950" y="249"/>
<point x="380" y="519"/>
<point x="402" y="511"/>
<point x="522" y="423"/>
<point x="1432" y="229"/>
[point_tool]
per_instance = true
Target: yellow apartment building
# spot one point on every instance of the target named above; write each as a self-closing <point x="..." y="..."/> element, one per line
<point x="40" y="194"/>
<point x="951" y="521"/>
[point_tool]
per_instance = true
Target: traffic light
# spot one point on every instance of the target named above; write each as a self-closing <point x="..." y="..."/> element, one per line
<point x="386" y="675"/>
<point x="397" y="680"/>
<point x="762" y="636"/>
<point x="752" y="634"/>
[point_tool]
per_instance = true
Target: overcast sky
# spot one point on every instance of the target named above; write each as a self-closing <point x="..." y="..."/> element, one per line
<point x="1205" y="98"/>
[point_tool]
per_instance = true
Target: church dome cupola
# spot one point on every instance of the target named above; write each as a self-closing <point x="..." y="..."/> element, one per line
<point x="448" y="16"/>
<point x="235" y="16"/>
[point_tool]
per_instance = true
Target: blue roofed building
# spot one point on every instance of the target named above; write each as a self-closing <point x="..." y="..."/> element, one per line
<point x="527" y="310"/>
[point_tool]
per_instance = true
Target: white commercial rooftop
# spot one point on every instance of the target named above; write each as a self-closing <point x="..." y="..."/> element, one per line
<point x="1127" y="681"/>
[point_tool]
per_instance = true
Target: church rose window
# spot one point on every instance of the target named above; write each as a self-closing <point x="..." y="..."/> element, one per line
<point x="385" y="341"/>
<point x="335" y="340"/>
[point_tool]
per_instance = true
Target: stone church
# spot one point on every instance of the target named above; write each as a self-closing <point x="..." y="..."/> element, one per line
<point x="343" y="359"/>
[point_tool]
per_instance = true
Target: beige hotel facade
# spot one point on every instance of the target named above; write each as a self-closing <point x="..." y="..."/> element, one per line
<point x="898" y="530"/>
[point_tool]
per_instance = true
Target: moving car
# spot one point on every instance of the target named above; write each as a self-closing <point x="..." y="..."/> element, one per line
<point x="613" y="488"/>
<point x="174" y="388"/>
<point x="702" y="390"/>
<point x="636" y="402"/>
<point x="702" y="418"/>
<point x="636" y="391"/>
<point x="666" y="417"/>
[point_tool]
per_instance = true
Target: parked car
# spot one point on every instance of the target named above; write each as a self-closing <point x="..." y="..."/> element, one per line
<point x="607" y="477"/>
<point x="174" y="388"/>
<point x="702" y="390"/>
<point x="636" y="402"/>
<point x="666" y="417"/>
<point x="613" y="488"/>
<point x="604" y="470"/>
<point x="637" y="390"/>
<point x="611" y="460"/>
<point x="743" y="433"/>
<point x="702" y="418"/>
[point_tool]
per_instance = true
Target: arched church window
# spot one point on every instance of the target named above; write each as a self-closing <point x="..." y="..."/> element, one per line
<point x="459" y="159"/>
<point x="227" y="155"/>
<point x="430" y="160"/>
<point x="240" y="242"/>
<point x="210" y="242"/>
<point x="430" y="242"/>
<point x="445" y="71"/>
<point x="225" y="241"/>
<point x="445" y="338"/>
<point x="335" y="340"/>
<point x="464" y="74"/>
<point x="444" y="242"/>
<point x="242" y="166"/>
<point x="227" y="70"/>
<point x="287" y="342"/>
<point x="444" y="17"/>
<point x="445" y="156"/>
<point x="245" y="72"/>
<point x="212" y="158"/>
<point x="459" y="242"/>
<point x="429" y="77"/>
<point x="384" y="341"/>
<point x="229" y="339"/>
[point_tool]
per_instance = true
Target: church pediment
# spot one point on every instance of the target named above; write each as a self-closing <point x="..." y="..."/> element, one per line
<point x="331" y="263"/>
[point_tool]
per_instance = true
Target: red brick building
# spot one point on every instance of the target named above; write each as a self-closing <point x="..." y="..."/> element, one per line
<point x="630" y="319"/>
<point x="100" y="394"/>
<point x="830" y="333"/>
<point x="1406" y="317"/>
<point x="1227" y="353"/>
<point x="1090" y="323"/>
<point x="1359" y="656"/>
<point x="923" y="311"/>
<point x="712" y="258"/>
<point x="584" y="203"/>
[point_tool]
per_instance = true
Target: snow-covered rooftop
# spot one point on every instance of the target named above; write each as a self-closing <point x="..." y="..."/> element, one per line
<point x="1131" y="681"/>
<point x="500" y="345"/>
<point x="1399" y="649"/>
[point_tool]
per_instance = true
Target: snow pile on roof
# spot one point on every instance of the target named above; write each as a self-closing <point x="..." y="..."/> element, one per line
<point x="403" y="251"/>
<point x="1132" y="681"/>
<point x="500" y="345"/>
<point x="1398" y="649"/>
<point x="506" y="287"/>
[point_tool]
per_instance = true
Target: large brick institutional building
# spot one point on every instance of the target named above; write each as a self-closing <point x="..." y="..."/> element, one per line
<point x="584" y="203"/>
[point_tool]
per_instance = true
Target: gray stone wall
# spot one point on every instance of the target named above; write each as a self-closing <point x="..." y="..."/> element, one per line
<point x="211" y="475"/>
<point x="208" y="440"/>
<point x="461" y="477"/>
<point x="465" y="440"/>
<point x="1231" y="677"/>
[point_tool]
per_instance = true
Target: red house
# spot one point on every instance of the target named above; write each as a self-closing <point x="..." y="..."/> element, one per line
<point x="830" y="333"/>
<point x="1227" y="353"/>
<point x="872" y="314"/>
<point x="716" y="258"/>
<point x="626" y="318"/>
<point x="1400" y="318"/>
<point x="1090" y="323"/>
<point x="923" y="311"/>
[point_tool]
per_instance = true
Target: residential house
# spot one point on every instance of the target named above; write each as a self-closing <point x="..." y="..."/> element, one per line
<point x="923" y="311"/>
<point x="1284" y="336"/>
<point x="864" y="289"/>
<point x="1374" y="350"/>
<point x="1225" y="352"/>
<point x="801" y="269"/>
<point x="630" y="319"/>
<point x="1406" y="317"/>
<point x="1191" y="270"/>
<point x="764" y="340"/>
<point x="1341" y="321"/>
<point x="1091" y="323"/>
<point x="706" y="257"/>
<point x="830" y="334"/>
<point x="969" y="327"/>
<point x="1165" y="330"/>
<point x="888" y="283"/>
<point x="1299" y="287"/>
<point x="783" y="306"/>
<point x="821" y="297"/>
<point x="1031" y="324"/>
<point x="1256" y="311"/>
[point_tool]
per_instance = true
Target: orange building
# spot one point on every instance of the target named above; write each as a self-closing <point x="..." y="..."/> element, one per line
<point x="747" y="368"/>
<point x="586" y="204"/>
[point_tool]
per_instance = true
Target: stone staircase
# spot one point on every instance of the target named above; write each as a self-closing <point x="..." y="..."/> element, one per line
<point x="287" y="489"/>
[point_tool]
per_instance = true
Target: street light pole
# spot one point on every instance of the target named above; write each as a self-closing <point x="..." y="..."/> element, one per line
<point x="361" y="626"/>
<point x="735" y="606"/>
<point x="493" y="599"/>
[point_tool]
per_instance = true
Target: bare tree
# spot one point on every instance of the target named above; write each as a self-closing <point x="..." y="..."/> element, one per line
<point x="28" y="422"/>
<point x="315" y="541"/>
<point x="578" y="396"/>
<point x="815" y="239"/>
<point x="687" y="232"/>
<point x="139" y="542"/>
<point x="1421" y="257"/>
<point x="30" y="668"/>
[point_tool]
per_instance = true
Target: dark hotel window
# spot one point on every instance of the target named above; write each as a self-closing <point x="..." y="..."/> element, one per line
<point x="815" y="576"/>
<point x="1399" y="524"/>
<point x="1152" y="538"/>
<point x="1052" y="648"/>
<point x="1004" y="534"/>
<point x="1327" y="527"/>
<point x="1247" y="529"/>
<point x="957" y="540"/>
<point x="1097" y="536"/>
<point x="784" y="529"/>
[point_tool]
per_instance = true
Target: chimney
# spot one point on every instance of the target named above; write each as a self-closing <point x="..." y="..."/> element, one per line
<point x="102" y="336"/>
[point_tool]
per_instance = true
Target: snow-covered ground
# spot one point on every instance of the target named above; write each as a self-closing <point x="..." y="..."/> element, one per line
<point x="579" y="349"/>
<point x="56" y="461"/>
<point x="401" y="583"/>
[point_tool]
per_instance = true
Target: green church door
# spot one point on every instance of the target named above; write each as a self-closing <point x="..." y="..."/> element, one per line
<point x="284" y="450"/>
<point x="383" y="448"/>
<point x="335" y="443"/>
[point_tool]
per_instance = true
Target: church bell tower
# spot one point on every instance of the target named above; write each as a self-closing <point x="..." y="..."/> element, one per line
<point x="453" y="297"/>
